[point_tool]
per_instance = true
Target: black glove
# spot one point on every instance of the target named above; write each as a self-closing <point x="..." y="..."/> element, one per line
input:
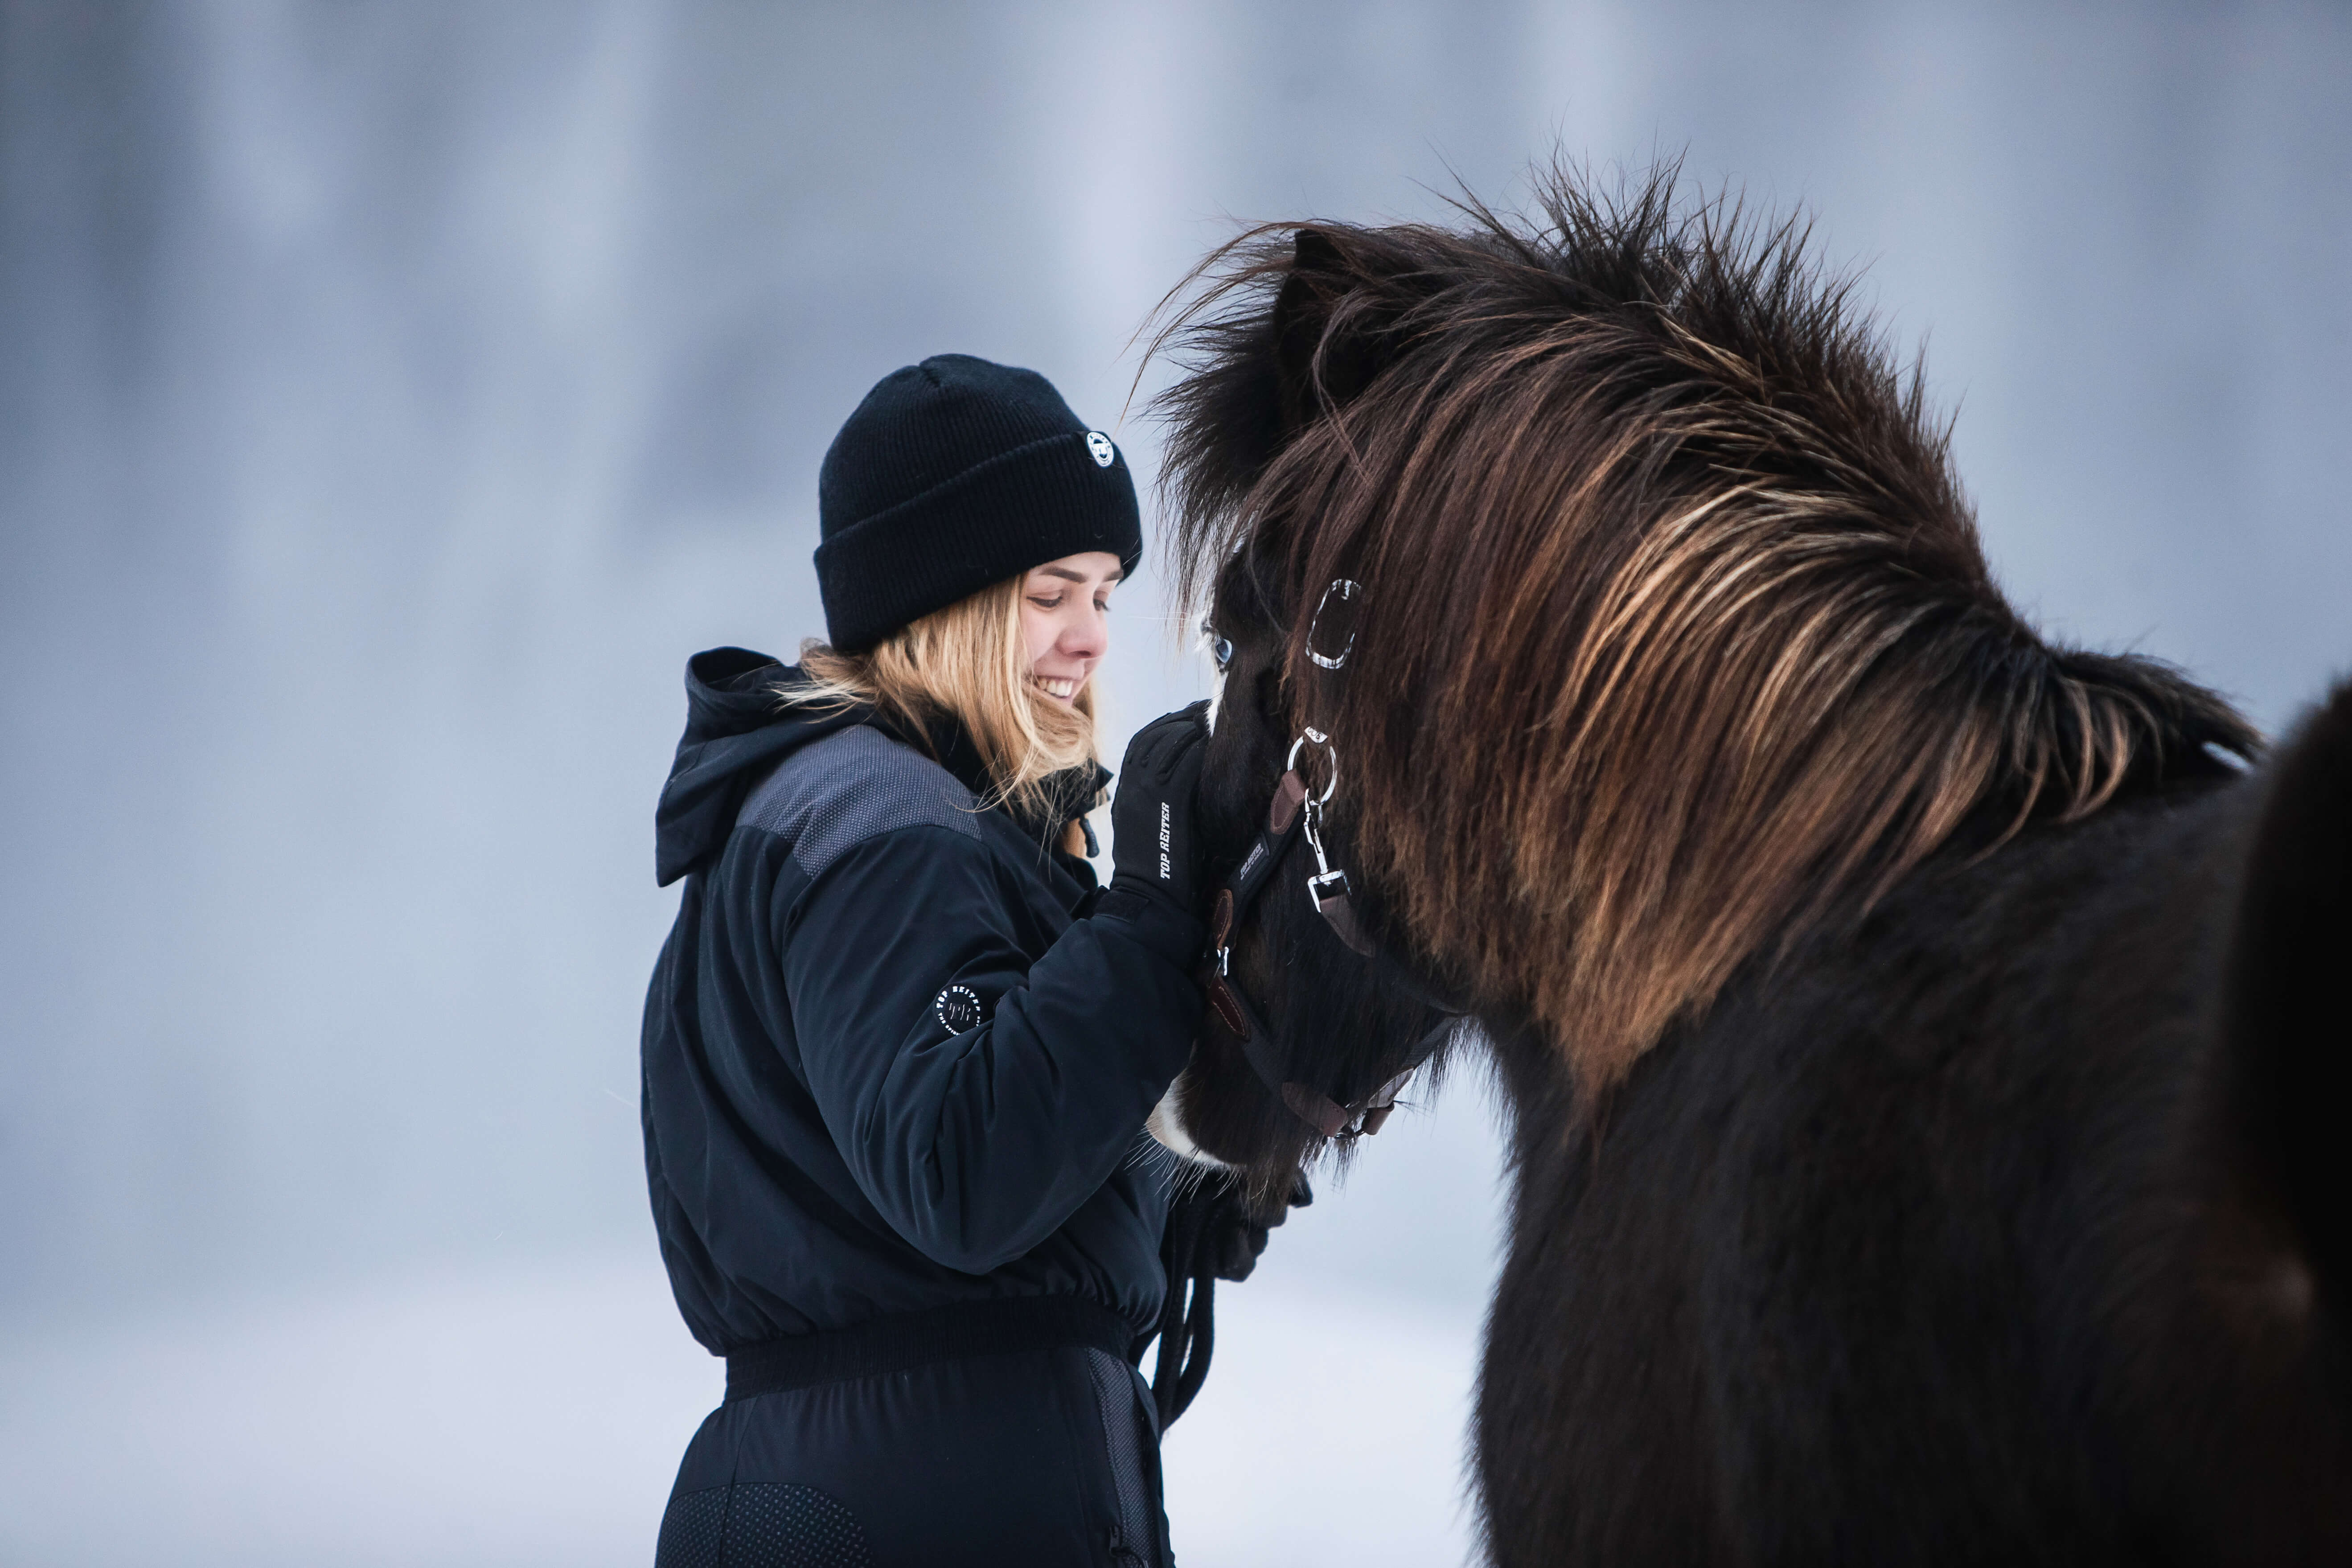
<point x="1230" y="1234"/>
<point x="1212" y="1234"/>
<point x="1156" y="853"/>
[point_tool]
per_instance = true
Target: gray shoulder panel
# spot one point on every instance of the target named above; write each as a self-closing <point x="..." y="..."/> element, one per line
<point x="834" y="795"/>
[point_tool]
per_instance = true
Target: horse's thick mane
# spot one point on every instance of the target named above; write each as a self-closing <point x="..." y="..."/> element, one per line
<point x="1677" y="634"/>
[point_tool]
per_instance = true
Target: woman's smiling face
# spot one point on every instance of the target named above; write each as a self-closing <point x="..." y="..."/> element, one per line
<point x="1065" y="620"/>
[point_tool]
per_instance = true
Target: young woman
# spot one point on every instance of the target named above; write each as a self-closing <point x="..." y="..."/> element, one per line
<point x="900" y="1048"/>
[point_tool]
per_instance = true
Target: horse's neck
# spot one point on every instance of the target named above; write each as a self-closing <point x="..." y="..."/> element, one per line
<point x="2150" y="876"/>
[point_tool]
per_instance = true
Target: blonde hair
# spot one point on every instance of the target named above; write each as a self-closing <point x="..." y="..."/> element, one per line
<point x="971" y="662"/>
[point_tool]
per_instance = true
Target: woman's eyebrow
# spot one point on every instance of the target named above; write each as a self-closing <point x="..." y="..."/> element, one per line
<point x="1069" y="577"/>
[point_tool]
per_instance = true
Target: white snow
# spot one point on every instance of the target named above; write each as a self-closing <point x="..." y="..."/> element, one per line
<point x="536" y="1415"/>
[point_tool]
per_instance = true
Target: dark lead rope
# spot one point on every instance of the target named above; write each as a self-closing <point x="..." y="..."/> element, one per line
<point x="1187" y="1312"/>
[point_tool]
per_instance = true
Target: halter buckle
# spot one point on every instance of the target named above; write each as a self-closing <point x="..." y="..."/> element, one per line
<point x="1347" y="591"/>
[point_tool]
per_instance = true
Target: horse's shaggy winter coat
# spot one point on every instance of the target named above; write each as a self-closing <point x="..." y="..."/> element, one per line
<point x="1923" y="1042"/>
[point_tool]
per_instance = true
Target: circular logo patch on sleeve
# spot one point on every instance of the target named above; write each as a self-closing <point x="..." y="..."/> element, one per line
<point x="957" y="1007"/>
<point x="1098" y="447"/>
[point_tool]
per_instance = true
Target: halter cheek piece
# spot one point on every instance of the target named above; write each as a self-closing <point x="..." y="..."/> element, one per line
<point x="1294" y="811"/>
<point x="1185" y="1329"/>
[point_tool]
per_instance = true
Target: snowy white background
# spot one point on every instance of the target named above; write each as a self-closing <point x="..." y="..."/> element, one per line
<point x="392" y="396"/>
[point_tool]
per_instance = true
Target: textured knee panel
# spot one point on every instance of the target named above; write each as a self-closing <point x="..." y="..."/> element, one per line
<point x="760" y="1525"/>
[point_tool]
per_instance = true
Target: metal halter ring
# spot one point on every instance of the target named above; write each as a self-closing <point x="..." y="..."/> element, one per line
<point x="1330" y="758"/>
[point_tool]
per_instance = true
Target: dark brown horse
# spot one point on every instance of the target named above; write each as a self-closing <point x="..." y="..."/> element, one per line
<point x="1922" y="1039"/>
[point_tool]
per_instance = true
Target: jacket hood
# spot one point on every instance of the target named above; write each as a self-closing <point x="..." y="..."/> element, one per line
<point x="1068" y="794"/>
<point x="735" y="732"/>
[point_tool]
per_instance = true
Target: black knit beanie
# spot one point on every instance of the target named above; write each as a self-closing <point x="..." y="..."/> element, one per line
<point x="952" y="475"/>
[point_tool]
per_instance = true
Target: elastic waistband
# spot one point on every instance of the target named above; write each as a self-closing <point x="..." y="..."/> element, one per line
<point x="917" y="1338"/>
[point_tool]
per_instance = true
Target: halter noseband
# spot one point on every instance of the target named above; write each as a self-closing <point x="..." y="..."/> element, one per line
<point x="1293" y="811"/>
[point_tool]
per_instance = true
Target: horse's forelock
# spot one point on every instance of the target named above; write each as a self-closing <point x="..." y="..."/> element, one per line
<point x="1677" y="631"/>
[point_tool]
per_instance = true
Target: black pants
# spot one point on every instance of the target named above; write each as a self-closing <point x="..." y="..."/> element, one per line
<point x="1044" y="1455"/>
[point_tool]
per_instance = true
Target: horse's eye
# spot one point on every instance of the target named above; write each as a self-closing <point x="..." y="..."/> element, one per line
<point x="1222" y="650"/>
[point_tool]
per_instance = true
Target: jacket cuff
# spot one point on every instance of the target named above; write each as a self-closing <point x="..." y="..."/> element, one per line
<point x="1160" y="926"/>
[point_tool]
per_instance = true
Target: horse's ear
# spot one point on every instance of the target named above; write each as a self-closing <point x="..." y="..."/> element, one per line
<point x="1273" y="371"/>
<point x="1327" y="346"/>
<point x="2290" y="991"/>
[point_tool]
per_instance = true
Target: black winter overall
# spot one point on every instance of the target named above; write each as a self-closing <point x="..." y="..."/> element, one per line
<point x="896" y="1066"/>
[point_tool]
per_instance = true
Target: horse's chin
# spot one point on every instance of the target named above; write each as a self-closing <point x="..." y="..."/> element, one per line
<point x="1166" y="1125"/>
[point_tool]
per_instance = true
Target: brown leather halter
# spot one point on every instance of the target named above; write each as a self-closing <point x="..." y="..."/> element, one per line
<point x="1295" y="812"/>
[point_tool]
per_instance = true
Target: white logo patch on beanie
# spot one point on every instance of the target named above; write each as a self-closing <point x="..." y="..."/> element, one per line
<point x="1098" y="446"/>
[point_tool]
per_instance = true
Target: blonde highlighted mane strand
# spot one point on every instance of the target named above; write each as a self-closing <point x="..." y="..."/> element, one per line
<point x="969" y="662"/>
<point x="1677" y="633"/>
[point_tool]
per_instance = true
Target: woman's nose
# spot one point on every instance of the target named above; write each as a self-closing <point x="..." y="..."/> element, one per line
<point x="1087" y="636"/>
